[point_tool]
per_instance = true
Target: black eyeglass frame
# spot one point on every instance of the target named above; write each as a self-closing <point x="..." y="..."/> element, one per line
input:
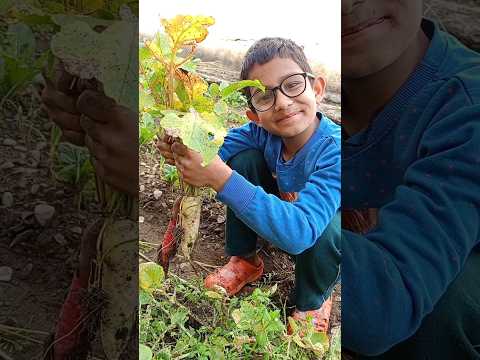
<point x="279" y="87"/>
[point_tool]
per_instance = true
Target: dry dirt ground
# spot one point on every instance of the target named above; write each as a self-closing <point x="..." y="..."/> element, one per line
<point x="41" y="257"/>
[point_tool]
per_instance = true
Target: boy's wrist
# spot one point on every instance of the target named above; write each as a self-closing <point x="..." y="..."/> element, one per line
<point x="220" y="172"/>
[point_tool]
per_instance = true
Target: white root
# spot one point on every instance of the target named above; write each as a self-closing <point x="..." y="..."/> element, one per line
<point x="119" y="281"/>
<point x="190" y="210"/>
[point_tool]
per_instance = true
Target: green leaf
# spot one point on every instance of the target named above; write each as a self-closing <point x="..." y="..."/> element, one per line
<point x="191" y="65"/>
<point x="145" y="100"/>
<point x="109" y="56"/>
<point x="145" y="353"/>
<point x="5" y="5"/>
<point x="20" y="43"/>
<point x="203" y="133"/>
<point x="2" y="70"/>
<point x="150" y="276"/>
<point x="144" y="297"/>
<point x="239" y="85"/>
<point x="93" y="22"/>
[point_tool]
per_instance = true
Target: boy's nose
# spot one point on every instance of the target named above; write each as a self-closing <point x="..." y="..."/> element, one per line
<point x="282" y="101"/>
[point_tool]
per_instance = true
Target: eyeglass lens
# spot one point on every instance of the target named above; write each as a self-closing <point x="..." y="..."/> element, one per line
<point x="292" y="86"/>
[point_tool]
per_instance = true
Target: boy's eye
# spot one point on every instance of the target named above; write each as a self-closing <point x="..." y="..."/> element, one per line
<point x="264" y="97"/>
<point x="293" y="85"/>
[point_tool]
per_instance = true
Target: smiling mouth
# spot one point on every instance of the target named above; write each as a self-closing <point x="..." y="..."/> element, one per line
<point x="362" y="26"/>
<point x="288" y="116"/>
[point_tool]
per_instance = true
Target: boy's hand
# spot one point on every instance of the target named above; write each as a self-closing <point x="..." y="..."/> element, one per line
<point x="189" y="165"/>
<point x="112" y="138"/>
<point x="61" y="107"/>
<point x="164" y="146"/>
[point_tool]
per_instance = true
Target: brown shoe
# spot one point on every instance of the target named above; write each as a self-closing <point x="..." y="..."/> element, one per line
<point x="233" y="276"/>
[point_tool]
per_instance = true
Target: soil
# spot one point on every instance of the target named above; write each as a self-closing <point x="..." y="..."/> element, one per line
<point x="42" y="257"/>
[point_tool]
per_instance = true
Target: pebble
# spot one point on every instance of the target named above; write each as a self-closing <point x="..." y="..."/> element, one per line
<point x="34" y="189"/>
<point x="142" y="188"/>
<point x="44" y="213"/>
<point x="41" y="145"/>
<point x="35" y="154"/>
<point x="141" y="219"/>
<point x="7" y="199"/>
<point x="157" y="194"/>
<point x="59" y="238"/>
<point x="9" y="142"/>
<point x="6" y="273"/>
<point x="7" y="165"/>
<point x="20" y="148"/>
<point x="77" y="230"/>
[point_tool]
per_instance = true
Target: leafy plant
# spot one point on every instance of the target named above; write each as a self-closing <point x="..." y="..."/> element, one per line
<point x="189" y="109"/>
<point x="18" y="65"/>
<point x="180" y="319"/>
<point x="170" y="175"/>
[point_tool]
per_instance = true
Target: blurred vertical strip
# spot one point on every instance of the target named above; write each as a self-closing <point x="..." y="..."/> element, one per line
<point x="69" y="179"/>
<point x="410" y="179"/>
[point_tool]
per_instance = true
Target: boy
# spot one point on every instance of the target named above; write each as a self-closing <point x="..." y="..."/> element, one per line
<point x="411" y="145"/>
<point x="288" y="138"/>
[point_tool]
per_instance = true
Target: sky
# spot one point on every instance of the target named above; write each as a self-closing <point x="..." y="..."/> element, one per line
<point x="313" y="24"/>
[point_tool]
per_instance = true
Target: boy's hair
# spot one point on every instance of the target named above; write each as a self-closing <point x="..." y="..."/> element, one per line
<point x="266" y="49"/>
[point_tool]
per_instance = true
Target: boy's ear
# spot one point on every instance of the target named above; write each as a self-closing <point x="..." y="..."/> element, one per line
<point x="252" y="116"/>
<point x="319" y="86"/>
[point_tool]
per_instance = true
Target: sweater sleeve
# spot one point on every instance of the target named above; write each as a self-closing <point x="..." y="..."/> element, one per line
<point x="394" y="275"/>
<point x="293" y="227"/>
<point x="249" y="136"/>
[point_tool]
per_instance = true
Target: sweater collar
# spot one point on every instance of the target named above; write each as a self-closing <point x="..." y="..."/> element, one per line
<point x="423" y="74"/>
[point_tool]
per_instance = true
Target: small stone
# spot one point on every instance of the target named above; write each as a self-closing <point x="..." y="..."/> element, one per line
<point x="141" y="219"/>
<point x="9" y="142"/>
<point x="142" y="188"/>
<point x="6" y="273"/>
<point x="41" y="145"/>
<point x="59" y="238"/>
<point x="77" y="230"/>
<point x="27" y="270"/>
<point x="7" y="199"/>
<point x="221" y="219"/>
<point x="7" y="165"/>
<point x="20" y="148"/>
<point x="44" y="214"/>
<point x="35" y="154"/>
<point x="34" y="189"/>
<point x="157" y="194"/>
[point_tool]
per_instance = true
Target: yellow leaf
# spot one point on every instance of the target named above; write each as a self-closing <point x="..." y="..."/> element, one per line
<point x="187" y="29"/>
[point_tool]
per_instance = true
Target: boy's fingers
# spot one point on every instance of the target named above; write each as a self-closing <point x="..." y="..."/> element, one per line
<point x="74" y="137"/>
<point x="96" y="105"/>
<point x="55" y="99"/>
<point x="94" y="130"/>
<point x="179" y="149"/>
<point x="96" y="149"/>
<point x="64" y="120"/>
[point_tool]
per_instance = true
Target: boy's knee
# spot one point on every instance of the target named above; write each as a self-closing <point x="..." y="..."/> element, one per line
<point x="247" y="160"/>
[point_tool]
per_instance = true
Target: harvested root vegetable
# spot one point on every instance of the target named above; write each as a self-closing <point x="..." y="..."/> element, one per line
<point x="171" y="239"/>
<point x="189" y="221"/>
<point x="119" y="276"/>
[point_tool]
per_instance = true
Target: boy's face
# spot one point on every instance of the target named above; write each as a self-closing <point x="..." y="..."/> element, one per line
<point x="288" y="117"/>
<point x="375" y="33"/>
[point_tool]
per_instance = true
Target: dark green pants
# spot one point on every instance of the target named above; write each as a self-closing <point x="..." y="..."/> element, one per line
<point x="317" y="269"/>
<point x="452" y="330"/>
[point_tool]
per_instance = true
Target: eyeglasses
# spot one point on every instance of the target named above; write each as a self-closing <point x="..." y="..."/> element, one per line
<point x="292" y="86"/>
